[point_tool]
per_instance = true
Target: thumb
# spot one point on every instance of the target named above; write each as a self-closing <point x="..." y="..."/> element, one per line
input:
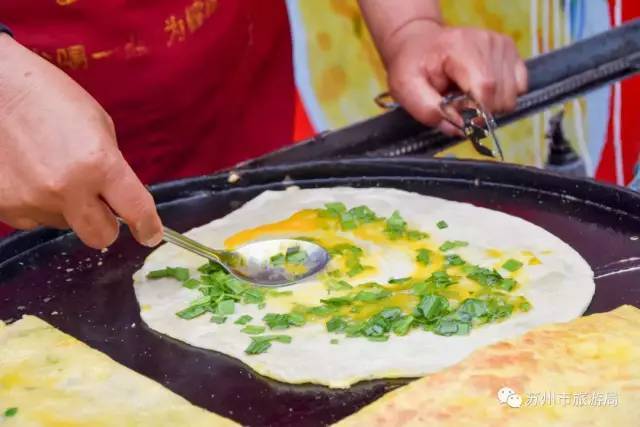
<point x="126" y="195"/>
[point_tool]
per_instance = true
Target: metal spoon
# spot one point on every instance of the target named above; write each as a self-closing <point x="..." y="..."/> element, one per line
<point x="254" y="262"/>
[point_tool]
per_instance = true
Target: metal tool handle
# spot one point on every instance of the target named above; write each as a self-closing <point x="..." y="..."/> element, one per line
<point x="178" y="239"/>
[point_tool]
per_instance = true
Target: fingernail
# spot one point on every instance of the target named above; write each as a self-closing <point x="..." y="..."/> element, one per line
<point x="148" y="234"/>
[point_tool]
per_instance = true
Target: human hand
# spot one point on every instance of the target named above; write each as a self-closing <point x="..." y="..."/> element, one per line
<point x="60" y="165"/>
<point x="425" y="60"/>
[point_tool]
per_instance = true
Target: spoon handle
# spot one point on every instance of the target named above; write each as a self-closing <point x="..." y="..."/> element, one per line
<point x="178" y="239"/>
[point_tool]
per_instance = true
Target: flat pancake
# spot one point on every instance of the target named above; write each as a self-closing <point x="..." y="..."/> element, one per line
<point x="52" y="379"/>
<point x="581" y="373"/>
<point x="555" y="280"/>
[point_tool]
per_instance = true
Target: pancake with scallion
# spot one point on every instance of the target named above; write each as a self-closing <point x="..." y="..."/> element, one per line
<point x="415" y="284"/>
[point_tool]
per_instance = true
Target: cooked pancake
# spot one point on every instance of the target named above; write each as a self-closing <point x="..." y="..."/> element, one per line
<point x="582" y="373"/>
<point x="50" y="379"/>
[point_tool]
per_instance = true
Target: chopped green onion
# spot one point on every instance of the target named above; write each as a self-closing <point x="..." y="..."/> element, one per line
<point x="452" y="244"/>
<point x="257" y="347"/>
<point x="296" y="319"/>
<point x="10" y="412"/>
<point x="442" y="225"/>
<point x="243" y="320"/>
<point x="298" y="257"/>
<point x="512" y="265"/>
<point x="395" y="226"/>
<point x="448" y="327"/>
<point x="432" y="306"/>
<point x="253" y="296"/>
<point x="345" y="248"/>
<point x="336" y="207"/>
<point x="485" y="277"/>
<point x="338" y="285"/>
<point x="402" y="325"/>
<point x="283" y="321"/>
<point x="336" y="324"/>
<point x="216" y="318"/>
<point x="274" y="293"/>
<point x="276" y="321"/>
<point x="193" y="311"/>
<point x="454" y="260"/>
<point x="507" y="284"/>
<point x="178" y="273"/>
<point x="368" y="296"/>
<point x="474" y="307"/>
<point x="363" y="214"/>
<point x="415" y="235"/>
<point x="347" y="221"/>
<point x="423" y="256"/>
<point x="334" y="341"/>
<point x="277" y="260"/>
<point x="262" y="343"/>
<point x="321" y="310"/>
<point x="191" y="283"/>
<point x="337" y="301"/>
<point x="226" y="307"/>
<point x="253" y="329"/>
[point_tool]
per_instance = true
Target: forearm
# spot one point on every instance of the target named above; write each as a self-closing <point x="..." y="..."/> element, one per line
<point x="385" y="19"/>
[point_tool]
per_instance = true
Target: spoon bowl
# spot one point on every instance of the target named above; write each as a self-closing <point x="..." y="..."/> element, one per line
<point x="268" y="263"/>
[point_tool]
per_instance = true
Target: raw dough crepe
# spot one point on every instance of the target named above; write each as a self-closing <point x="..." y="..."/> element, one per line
<point x="559" y="287"/>
<point x="582" y="373"/>
<point x="55" y="380"/>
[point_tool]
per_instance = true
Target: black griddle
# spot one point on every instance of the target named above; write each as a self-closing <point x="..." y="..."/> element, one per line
<point x="89" y="294"/>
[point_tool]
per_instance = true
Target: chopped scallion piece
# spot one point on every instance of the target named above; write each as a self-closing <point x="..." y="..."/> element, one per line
<point x="253" y="329"/>
<point x="216" y="318"/>
<point x="423" y="256"/>
<point x="442" y="225"/>
<point x="191" y="283"/>
<point x="432" y="306"/>
<point x="193" y="311"/>
<point x="178" y="273"/>
<point x="415" y="235"/>
<point x="402" y="325"/>
<point x="257" y="347"/>
<point x="226" y="307"/>
<point x="243" y="320"/>
<point x="10" y="412"/>
<point x="395" y="226"/>
<point x="454" y="260"/>
<point x="277" y="260"/>
<point x="452" y="244"/>
<point x="512" y="265"/>
<point x="336" y="324"/>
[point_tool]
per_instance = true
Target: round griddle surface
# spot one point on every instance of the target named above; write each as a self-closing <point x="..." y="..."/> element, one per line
<point x="89" y="294"/>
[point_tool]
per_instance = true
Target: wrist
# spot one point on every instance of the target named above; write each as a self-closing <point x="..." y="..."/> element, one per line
<point x="423" y="28"/>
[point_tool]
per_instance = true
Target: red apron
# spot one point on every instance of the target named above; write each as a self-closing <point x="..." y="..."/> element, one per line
<point x="193" y="86"/>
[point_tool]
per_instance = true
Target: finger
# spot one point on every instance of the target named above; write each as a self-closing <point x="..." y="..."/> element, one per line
<point x="20" y="223"/>
<point x="92" y="220"/>
<point x="509" y="85"/>
<point x="449" y="129"/>
<point x="522" y="76"/>
<point x="468" y="75"/>
<point x="51" y="220"/>
<point x="510" y="91"/>
<point x="127" y="196"/>
<point x="419" y="98"/>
